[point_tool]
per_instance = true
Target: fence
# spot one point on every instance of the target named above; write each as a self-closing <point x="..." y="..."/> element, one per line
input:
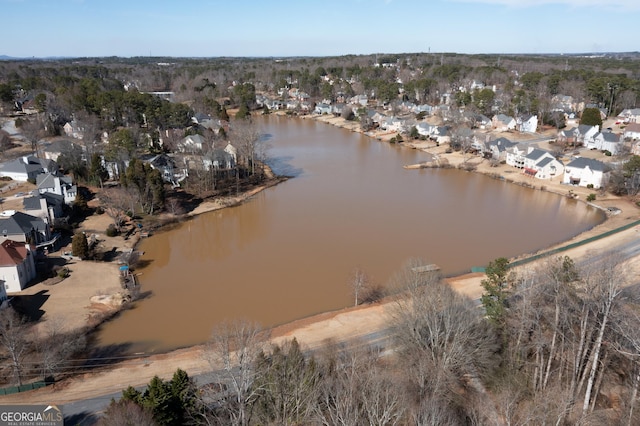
<point x="526" y="260"/>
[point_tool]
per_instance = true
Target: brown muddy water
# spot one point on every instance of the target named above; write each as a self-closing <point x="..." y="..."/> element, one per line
<point x="289" y="251"/>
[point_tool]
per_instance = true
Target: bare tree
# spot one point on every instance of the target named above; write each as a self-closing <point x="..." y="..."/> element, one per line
<point x="33" y="130"/>
<point x="251" y="148"/>
<point x="14" y="338"/>
<point x="359" y="282"/>
<point x="443" y="336"/>
<point x="116" y="202"/>
<point x="55" y="347"/>
<point x="603" y="283"/>
<point x="232" y="353"/>
<point x="126" y="412"/>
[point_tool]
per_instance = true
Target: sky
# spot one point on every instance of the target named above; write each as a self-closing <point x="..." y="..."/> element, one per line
<point x="280" y="28"/>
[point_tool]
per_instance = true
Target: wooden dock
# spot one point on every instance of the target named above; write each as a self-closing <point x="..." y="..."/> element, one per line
<point x="425" y="268"/>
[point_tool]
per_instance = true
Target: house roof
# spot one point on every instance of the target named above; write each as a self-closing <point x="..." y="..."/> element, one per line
<point x="21" y="165"/>
<point x="582" y="163"/>
<point x="544" y="162"/>
<point x="61" y="146"/>
<point x="158" y="161"/>
<point x="21" y="223"/>
<point x="611" y="137"/>
<point x="584" y="128"/>
<point x="45" y="180"/>
<point x="502" y="144"/>
<point x="12" y="253"/>
<point x="535" y="154"/>
<point x="633" y="127"/>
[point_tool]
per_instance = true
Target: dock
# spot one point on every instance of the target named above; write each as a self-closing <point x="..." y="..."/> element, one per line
<point x="432" y="267"/>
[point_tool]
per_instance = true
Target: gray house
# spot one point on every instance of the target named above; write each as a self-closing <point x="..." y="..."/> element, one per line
<point x="24" y="228"/>
<point x="27" y="167"/>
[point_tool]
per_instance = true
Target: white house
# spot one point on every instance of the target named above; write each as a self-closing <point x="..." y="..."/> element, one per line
<point x="632" y="132"/>
<point x="584" y="172"/>
<point x="61" y="185"/>
<point x="527" y="123"/>
<point x="607" y="141"/>
<point x="322" y="108"/>
<point x="191" y="143"/>
<point x="17" y="266"/>
<point x="630" y="115"/>
<point x="516" y="154"/>
<point x="585" y="134"/>
<point x="498" y="148"/>
<point x="27" y="167"/>
<point x="502" y="122"/>
<point x="73" y="130"/>
<point x="542" y="164"/>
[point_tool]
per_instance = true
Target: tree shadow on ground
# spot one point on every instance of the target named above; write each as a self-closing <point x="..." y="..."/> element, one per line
<point x="30" y="305"/>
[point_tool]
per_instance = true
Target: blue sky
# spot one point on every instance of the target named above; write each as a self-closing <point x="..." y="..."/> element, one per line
<point x="210" y="28"/>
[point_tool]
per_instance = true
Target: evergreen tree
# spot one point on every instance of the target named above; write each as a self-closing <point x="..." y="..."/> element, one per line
<point x="591" y="117"/>
<point x="80" y="245"/>
<point x="496" y="290"/>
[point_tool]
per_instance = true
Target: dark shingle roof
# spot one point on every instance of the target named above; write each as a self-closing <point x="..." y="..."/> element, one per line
<point x="581" y="163"/>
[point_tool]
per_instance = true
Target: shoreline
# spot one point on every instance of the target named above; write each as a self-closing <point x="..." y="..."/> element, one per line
<point x="341" y="325"/>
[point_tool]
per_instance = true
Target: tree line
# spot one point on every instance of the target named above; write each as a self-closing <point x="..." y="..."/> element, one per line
<point x="558" y="343"/>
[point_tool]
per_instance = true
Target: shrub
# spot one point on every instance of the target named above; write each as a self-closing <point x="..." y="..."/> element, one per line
<point x="590" y="186"/>
<point x="62" y="272"/>
<point x="111" y="230"/>
<point x="591" y="197"/>
<point x="607" y="153"/>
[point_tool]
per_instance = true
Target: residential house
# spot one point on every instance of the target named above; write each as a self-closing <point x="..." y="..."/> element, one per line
<point x="192" y="143"/>
<point x="632" y="132"/>
<point x="292" y="104"/>
<point x="338" y="108"/>
<point x="164" y="164"/>
<point x="527" y="123"/>
<point x="27" y="167"/>
<point x="481" y="121"/>
<point x="61" y="185"/>
<point x="73" y="130"/>
<point x="422" y="109"/>
<point x="497" y="148"/>
<point x="426" y="129"/>
<point x="17" y="265"/>
<point x="48" y="206"/>
<point x="542" y="164"/>
<point x="516" y="154"/>
<point x="584" y="172"/>
<point x="218" y="159"/>
<point x="393" y="124"/>
<point x="206" y="122"/>
<point x="562" y="103"/>
<point x="585" y="134"/>
<point x="60" y="147"/>
<point x="359" y="100"/>
<point x="567" y="136"/>
<point x="607" y="141"/>
<point x="24" y="228"/>
<point x="322" y="108"/>
<point x="231" y="150"/>
<point x="503" y="123"/>
<point x="630" y="115"/>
